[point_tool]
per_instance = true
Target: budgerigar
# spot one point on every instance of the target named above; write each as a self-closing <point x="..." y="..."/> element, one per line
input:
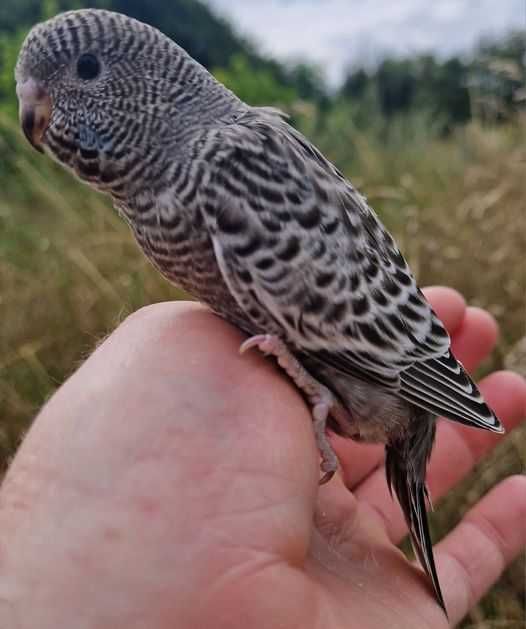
<point x="234" y="205"/>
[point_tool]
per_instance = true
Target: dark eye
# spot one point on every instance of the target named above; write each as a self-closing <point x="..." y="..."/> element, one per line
<point x="88" y="67"/>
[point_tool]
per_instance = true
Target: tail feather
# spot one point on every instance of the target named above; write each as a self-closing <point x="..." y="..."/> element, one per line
<point x="412" y="495"/>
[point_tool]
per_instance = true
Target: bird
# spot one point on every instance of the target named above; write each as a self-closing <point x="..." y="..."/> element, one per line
<point x="235" y="206"/>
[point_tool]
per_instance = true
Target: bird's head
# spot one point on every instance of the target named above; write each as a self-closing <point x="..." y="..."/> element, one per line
<point x="107" y="95"/>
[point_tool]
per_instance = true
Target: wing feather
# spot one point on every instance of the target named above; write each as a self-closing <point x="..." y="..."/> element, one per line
<point x="443" y="387"/>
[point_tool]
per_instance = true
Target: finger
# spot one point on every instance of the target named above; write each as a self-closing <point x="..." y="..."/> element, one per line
<point x="473" y="339"/>
<point x="338" y="517"/>
<point x="449" y="305"/>
<point x="335" y="509"/>
<point x="357" y="460"/>
<point x="457" y="450"/>
<point x="344" y="530"/>
<point x="473" y="556"/>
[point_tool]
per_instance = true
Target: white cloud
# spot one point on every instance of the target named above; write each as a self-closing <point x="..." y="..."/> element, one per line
<point x="336" y="33"/>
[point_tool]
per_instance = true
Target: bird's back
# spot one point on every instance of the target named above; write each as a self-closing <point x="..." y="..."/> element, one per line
<point x="275" y="239"/>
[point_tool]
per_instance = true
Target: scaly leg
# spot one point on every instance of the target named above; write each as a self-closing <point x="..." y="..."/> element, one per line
<point x="320" y="398"/>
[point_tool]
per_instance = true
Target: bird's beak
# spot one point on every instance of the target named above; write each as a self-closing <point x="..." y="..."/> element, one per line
<point x="34" y="110"/>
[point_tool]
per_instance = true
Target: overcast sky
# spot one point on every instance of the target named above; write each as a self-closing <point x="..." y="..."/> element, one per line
<point x="336" y="33"/>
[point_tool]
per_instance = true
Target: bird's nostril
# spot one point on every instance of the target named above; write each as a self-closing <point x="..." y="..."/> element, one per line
<point x="31" y="91"/>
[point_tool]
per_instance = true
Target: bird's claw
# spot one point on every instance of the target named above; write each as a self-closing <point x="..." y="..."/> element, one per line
<point x="262" y="341"/>
<point x="326" y="477"/>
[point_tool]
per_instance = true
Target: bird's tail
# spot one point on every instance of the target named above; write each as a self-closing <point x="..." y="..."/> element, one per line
<point x="412" y="495"/>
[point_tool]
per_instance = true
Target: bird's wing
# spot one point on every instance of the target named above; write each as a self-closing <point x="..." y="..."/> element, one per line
<point x="442" y="386"/>
<point x="303" y="253"/>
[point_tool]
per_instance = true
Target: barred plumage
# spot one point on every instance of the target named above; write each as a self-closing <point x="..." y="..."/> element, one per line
<point x="231" y="203"/>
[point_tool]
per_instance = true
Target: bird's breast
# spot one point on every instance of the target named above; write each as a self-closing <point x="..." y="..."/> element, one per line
<point x="185" y="255"/>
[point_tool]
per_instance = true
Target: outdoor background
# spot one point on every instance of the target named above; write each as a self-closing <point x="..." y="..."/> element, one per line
<point x="427" y="119"/>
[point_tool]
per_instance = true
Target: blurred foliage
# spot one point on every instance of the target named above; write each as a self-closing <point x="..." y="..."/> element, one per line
<point x="497" y="82"/>
<point x="437" y="145"/>
<point x="10" y="42"/>
<point x="489" y="85"/>
<point x="9" y="47"/>
<point x="255" y="86"/>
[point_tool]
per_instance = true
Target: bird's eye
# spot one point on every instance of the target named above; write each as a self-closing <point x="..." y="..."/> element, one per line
<point x="88" y="67"/>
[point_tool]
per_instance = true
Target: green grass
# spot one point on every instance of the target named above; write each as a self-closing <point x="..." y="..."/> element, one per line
<point x="70" y="271"/>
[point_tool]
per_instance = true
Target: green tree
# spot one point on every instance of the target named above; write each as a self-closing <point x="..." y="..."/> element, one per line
<point x="309" y="83"/>
<point x="255" y="86"/>
<point x="396" y="83"/>
<point x="9" y="47"/>
<point x="497" y="77"/>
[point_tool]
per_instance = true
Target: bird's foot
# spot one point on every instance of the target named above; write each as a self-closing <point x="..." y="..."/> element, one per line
<point x="320" y="398"/>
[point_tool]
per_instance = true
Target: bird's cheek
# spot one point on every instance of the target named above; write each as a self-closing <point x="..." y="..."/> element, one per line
<point x="88" y="138"/>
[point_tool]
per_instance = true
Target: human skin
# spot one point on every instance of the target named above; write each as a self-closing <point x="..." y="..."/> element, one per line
<point x="171" y="482"/>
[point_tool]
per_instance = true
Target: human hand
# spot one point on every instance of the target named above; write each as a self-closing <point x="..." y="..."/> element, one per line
<point x="173" y="483"/>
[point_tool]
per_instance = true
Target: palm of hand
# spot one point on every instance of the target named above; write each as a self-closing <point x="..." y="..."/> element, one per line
<point x="176" y="484"/>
